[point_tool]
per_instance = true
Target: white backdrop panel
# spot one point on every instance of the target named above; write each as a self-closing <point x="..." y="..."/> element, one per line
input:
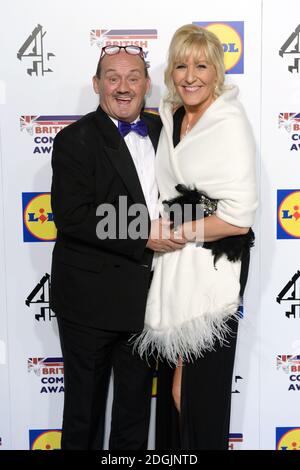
<point x="65" y="92"/>
<point x="280" y="257"/>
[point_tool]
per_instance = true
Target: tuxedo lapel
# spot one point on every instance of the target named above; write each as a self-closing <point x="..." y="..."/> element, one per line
<point x="119" y="155"/>
<point x="153" y="127"/>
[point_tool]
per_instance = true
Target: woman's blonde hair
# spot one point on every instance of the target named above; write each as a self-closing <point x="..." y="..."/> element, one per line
<point x="191" y="40"/>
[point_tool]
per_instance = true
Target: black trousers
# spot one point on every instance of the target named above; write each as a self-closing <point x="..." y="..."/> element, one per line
<point x="89" y="356"/>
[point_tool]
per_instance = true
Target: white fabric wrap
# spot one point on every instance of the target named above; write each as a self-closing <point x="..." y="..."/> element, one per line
<point x="189" y="300"/>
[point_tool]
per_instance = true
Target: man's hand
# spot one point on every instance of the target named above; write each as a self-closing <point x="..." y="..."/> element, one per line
<point x="162" y="237"/>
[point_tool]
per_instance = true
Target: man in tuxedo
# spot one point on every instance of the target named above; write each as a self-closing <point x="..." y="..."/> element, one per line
<point x="100" y="280"/>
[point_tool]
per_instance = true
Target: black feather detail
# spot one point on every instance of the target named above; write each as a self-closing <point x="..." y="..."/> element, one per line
<point x="233" y="247"/>
<point x="193" y="205"/>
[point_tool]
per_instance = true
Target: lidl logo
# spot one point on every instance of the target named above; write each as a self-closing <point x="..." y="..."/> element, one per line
<point x="287" y="438"/>
<point x="288" y="213"/>
<point x="231" y="35"/>
<point x="38" y="223"/>
<point x="44" y="439"/>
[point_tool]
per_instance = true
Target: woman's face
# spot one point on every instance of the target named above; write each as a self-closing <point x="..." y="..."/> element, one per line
<point x="195" y="81"/>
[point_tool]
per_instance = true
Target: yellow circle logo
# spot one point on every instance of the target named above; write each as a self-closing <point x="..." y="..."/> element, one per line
<point x="290" y="440"/>
<point x="232" y="43"/>
<point x="48" y="440"/>
<point x="289" y="214"/>
<point x="38" y="218"/>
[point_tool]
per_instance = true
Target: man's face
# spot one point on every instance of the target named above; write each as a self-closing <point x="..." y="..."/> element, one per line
<point x="122" y="85"/>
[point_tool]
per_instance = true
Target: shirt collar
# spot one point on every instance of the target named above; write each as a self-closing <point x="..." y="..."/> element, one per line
<point x="115" y="121"/>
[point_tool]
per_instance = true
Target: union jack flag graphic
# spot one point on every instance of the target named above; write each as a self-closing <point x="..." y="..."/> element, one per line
<point x="285" y="361"/>
<point x="29" y="122"/>
<point x="288" y="121"/>
<point x="36" y="364"/>
<point x="234" y="438"/>
<point x="99" y="36"/>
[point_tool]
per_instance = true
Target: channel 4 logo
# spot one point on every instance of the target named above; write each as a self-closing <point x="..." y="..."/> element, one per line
<point x="33" y="51"/>
<point x="291" y="50"/>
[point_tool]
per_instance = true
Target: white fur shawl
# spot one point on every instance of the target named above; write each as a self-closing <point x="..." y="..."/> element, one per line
<point x="189" y="301"/>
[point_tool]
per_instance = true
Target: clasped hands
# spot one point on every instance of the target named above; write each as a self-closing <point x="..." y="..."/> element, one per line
<point x="163" y="238"/>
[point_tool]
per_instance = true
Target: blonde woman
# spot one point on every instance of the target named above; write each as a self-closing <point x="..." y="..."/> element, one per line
<point x="192" y="310"/>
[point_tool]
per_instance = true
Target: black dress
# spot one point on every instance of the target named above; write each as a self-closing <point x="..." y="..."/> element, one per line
<point x="204" y="420"/>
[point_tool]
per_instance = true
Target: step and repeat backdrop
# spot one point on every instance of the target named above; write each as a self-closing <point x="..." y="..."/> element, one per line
<point x="49" y="53"/>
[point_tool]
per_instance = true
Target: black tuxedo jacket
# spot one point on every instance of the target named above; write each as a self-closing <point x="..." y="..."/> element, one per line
<point x="100" y="283"/>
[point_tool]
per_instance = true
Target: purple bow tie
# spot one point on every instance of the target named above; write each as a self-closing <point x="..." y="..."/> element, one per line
<point x="140" y="127"/>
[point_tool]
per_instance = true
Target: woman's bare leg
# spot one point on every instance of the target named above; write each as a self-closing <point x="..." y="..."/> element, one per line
<point x="176" y="389"/>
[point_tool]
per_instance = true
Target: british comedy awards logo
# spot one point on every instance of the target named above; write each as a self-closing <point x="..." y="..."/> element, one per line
<point x="124" y="37"/>
<point x="289" y="297"/>
<point x="288" y="438"/>
<point x="231" y="35"/>
<point x="288" y="214"/>
<point x="44" y="439"/>
<point x="35" y="53"/>
<point x="290" y="365"/>
<point x="290" y="51"/>
<point x="49" y="372"/>
<point x="234" y="440"/>
<point x="290" y="122"/>
<point x="39" y="298"/>
<point x="38" y="223"/>
<point x="43" y="129"/>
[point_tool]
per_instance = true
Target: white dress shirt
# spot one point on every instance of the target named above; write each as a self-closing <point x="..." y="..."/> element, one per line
<point x="143" y="156"/>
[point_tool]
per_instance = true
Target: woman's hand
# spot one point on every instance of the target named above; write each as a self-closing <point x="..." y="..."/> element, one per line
<point x="188" y="230"/>
<point x="162" y="238"/>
